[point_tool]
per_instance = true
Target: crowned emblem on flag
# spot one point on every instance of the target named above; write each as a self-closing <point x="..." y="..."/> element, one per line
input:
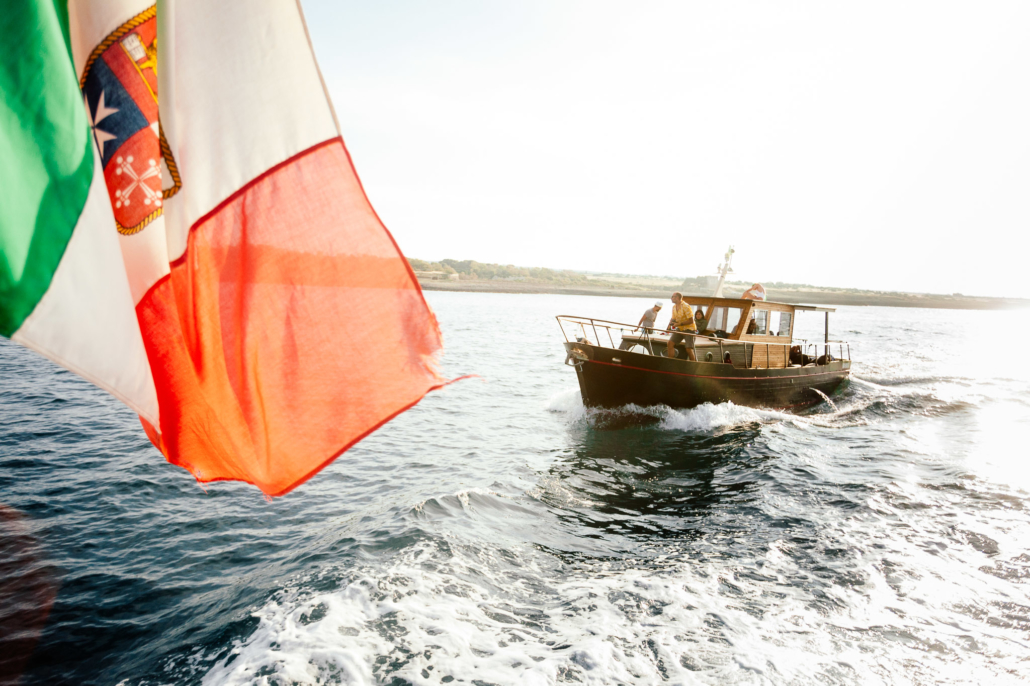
<point x="119" y="85"/>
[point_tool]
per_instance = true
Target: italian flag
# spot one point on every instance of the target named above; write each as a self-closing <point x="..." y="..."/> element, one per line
<point x="181" y="224"/>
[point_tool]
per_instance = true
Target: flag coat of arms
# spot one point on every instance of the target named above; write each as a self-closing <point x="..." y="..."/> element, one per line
<point x="181" y="224"/>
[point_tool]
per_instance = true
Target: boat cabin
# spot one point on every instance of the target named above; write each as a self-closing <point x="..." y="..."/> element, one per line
<point x="747" y="333"/>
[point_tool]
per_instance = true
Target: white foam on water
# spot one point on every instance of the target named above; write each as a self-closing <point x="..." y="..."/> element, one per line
<point x="708" y="416"/>
<point x="887" y="390"/>
<point x="613" y="627"/>
<point x="702" y="418"/>
<point x="569" y="402"/>
<point x="461" y="496"/>
<point x="843" y="413"/>
<point x="430" y="615"/>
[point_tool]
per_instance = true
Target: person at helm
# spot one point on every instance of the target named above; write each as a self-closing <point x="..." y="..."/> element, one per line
<point x="682" y="323"/>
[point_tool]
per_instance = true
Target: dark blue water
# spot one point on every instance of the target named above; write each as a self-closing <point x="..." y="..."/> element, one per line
<point x="499" y="534"/>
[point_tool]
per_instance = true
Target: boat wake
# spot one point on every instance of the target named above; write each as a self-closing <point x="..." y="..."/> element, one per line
<point x="461" y="612"/>
<point x="705" y="417"/>
<point x="864" y="402"/>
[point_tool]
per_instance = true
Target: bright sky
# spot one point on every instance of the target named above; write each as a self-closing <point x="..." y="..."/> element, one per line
<point x="877" y="145"/>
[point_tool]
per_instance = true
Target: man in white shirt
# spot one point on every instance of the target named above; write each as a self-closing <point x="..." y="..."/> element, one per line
<point x="648" y="319"/>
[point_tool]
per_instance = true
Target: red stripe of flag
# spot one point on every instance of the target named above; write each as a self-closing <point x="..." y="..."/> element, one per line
<point x="290" y="329"/>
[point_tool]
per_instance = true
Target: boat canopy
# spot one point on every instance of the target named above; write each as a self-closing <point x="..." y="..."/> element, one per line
<point x="737" y="302"/>
<point x="752" y="320"/>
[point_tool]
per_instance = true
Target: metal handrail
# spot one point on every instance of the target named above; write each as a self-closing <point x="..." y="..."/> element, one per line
<point x="826" y="346"/>
<point x="622" y="327"/>
<point x="619" y="327"/>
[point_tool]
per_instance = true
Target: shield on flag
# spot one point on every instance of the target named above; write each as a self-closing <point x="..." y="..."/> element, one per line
<point x="119" y="84"/>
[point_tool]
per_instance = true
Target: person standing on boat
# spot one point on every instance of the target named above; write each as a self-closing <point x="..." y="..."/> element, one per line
<point x="756" y="292"/>
<point x="648" y="319"/>
<point x="682" y="323"/>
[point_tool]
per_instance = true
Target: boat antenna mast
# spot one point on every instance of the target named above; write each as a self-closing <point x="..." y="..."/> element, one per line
<point x="723" y="270"/>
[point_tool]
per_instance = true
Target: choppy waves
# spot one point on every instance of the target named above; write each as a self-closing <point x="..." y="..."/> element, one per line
<point x="736" y="549"/>
<point x="857" y="602"/>
<point x="502" y="533"/>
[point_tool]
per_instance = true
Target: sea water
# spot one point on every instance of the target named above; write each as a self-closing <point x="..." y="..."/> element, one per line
<point x="501" y="533"/>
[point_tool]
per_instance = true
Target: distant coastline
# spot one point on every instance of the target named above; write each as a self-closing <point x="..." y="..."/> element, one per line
<point x="812" y="297"/>
<point x="451" y="275"/>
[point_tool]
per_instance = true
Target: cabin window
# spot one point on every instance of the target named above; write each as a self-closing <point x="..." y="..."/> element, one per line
<point x="781" y="327"/>
<point x="761" y="323"/>
<point x="724" y="319"/>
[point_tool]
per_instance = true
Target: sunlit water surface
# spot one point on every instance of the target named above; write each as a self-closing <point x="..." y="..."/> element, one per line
<point x="498" y="533"/>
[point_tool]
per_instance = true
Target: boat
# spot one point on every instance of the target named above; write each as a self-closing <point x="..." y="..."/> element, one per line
<point x="746" y="354"/>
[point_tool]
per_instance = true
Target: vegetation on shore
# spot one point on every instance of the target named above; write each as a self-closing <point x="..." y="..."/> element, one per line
<point x="470" y="270"/>
<point x="469" y="275"/>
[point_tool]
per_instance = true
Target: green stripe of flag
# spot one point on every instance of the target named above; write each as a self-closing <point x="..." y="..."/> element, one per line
<point x="46" y="163"/>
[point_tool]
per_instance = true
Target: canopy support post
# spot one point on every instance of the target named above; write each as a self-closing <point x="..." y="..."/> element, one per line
<point x="826" y="336"/>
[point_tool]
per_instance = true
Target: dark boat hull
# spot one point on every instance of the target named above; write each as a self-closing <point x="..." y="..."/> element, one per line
<point x="613" y="378"/>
